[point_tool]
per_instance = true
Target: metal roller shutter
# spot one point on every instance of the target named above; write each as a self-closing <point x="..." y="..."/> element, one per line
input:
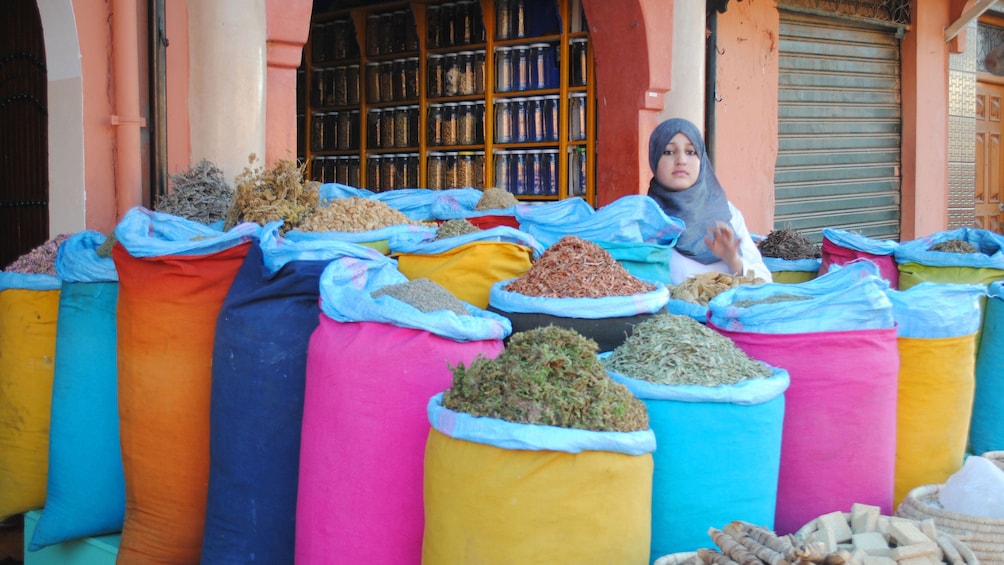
<point x="839" y="126"/>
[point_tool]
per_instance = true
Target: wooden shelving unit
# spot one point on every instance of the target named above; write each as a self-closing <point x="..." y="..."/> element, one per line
<point x="345" y="129"/>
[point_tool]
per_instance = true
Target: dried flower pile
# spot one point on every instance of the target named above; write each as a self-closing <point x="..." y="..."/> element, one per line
<point x="954" y="246"/>
<point x="788" y="244"/>
<point x="701" y="288"/>
<point x="40" y="260"/>
<point x="576" y="268"/>
<point x="678" y="350"/>
<point x="266" y="194"/>
<point x="200" y="194"/>
<point x="424" y="294"/>
<point x="547" y="376"/>
<point x="495" y="198"/>
<point x="453" y="228"/>
<point x="354" y="214"/>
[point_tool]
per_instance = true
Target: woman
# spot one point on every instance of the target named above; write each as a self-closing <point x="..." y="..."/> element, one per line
<point x="685" y="186"/>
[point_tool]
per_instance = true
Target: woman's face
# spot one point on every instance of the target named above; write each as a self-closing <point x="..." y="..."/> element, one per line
<point x="680" y="165"/>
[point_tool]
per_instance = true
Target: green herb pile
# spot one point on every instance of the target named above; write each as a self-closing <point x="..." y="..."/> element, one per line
<point x="547" y="376"/>
<point x="678" y="350"/>
<point x="954" y="246"/>
<point x="453" y="228"/>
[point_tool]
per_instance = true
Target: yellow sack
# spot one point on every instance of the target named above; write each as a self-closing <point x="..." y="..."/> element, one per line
<point x="793" y="277"/>
<point x="489" y="505"/>
<point x="912" y="274"/>
<point x="27" y="354"/>
<point x="468" y="271"/>
<point x="936" y="386"/>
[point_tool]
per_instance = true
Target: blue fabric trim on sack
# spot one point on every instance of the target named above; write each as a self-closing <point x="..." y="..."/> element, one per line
<point x="589" y="308"/>
<point x="77" y="259"/>
<point x="858" y="242"/>
<point x="534" y="437"/>
<point x="933" y="310"/>
<point x="425" y="243"/>
<point x="145" y="233"/>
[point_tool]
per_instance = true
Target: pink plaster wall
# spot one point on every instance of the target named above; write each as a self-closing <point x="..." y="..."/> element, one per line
<point x="94" y="33"/>
<point x="179" y="143"/>
<point x="288" y="23"/>
<point x="925" y="121"/>
<point x="746" y="113"/>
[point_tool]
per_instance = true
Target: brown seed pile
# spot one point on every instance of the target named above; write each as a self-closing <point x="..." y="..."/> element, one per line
<point x="954" y="246"/>
<point x="702" y="287"/>
<point x="788" y="244"/>
<point x="495" y="198"/>
<point x="576" y="268"/>
<point x="453" y="228"/>
<point x="200" y="194"/>
<point x="266" y="194"/>
<point x="354" y="214"/>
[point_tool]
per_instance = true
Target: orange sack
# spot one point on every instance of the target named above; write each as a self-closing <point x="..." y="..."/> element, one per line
<point x="167" y="311"/>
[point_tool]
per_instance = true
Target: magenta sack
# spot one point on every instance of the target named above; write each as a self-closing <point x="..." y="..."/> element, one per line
<point x="363" y="438"/>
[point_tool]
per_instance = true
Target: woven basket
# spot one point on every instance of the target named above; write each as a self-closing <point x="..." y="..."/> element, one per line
<point x="985" y="536"/>
<point x="686" y="557"/>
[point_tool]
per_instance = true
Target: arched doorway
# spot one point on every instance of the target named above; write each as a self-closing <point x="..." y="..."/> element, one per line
<point x="24" y="184"/>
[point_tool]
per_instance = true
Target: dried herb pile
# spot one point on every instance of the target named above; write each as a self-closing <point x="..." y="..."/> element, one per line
<point x="576" y="268"/>
<point x="702" y="287"/>
<point x="495" y="198"/>
<point x="546" y="376"/>
<point x="200" y="194"/>
<point x="774" y="299"/>
<point x="266" y="194"/>
<point x="788" y="244"/>
<point x="424" y="294"/>
<point x="354" y="214"/>
<point x="453" y="228"/>
<point x="40" y="260"/>
<point x="954" y="246"/>
<point x="678" y="350"/>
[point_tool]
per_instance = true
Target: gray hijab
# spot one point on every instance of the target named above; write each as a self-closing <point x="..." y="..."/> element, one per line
<point x="699" y="206"/>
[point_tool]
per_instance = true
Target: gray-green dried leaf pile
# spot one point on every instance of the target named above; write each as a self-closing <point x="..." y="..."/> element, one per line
<point x="495" y="198"/>
<point x="200" y="194"/>
<point x="669" y="349"/>
<point x="954" y="246"/>
<point x="453" y="228"/>
<point x="773" y="299"/>
<point x="425" y="294"/>
<point x="546" y="376"/>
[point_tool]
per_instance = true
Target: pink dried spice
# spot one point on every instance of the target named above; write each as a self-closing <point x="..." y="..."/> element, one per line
<point x="577" y="268"/>
<point x="41" y="260"/>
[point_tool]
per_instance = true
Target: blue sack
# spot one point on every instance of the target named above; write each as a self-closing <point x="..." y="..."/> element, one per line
<point x="852" y="297"/>
<point x="989" y="244"/>
<point x="629" y="218"/>
<point x="937" y="310"/>
<point x="29" y="281"/>
<point x="145" y="233"/>
<point x="778" y="265"/>
<point x="426" y="243"/>
<point x="78" y="261"/>
<point x="856" y="241"/>
<point x="986" y="432"/>
<point x="333" y="190"/>
<point x="461" y="203"/>
<point x="347" y="285"/>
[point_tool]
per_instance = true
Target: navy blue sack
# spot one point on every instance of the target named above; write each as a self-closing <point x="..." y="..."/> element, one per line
<point x="256" y="407"/>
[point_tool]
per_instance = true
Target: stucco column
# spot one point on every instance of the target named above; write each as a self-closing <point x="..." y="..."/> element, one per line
<point x="226" y="91"/>
<point x="288" y="26"/>
<point x="686" y="99"/>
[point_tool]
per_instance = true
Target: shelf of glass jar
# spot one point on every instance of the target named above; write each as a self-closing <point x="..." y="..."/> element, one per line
<point x="332" y="131"/>
<point x="535" y="119"/>
<point x="333" y="41"/>
<point x="530" y="173"/>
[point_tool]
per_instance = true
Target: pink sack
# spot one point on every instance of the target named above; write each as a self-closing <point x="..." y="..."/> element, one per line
<point x="362" y="447"/>
<point x="835" y="254"/>
<point x="838" y="442"/>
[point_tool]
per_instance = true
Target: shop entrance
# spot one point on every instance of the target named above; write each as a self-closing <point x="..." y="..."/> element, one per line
<point x="989" y="208"/>
<point x="24" y="184"/>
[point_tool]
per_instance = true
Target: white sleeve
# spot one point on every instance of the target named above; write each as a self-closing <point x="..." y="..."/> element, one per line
<point x="747" y="248"/>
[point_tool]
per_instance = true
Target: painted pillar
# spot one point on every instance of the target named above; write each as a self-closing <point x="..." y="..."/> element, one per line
<point x="226" y="91"/>
<point x="686" y="98"/>
<point x="288" y="23"/>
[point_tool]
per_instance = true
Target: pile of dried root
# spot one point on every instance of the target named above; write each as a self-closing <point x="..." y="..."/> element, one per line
<point x="701" y="288"/>
<point x="200" y="194"/>
<point x="577" y="268"/>
<point x="354" y="214"/>
<point x="266" y="194"/>
<point x="788" y="244"/>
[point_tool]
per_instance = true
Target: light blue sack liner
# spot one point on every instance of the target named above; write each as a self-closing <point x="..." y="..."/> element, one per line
<point x="426" y="243"/>
<point x="858" y="242"/>
<point x="346" y="287"/>
<point x="570" y="210"/>
<point x="534" y="437"/>
<point x="635" y="217"/>
<point x="745" y="393"/>
<point x="278" y="250"/>
<point x="77" y="259"/>
<point x="937" y="310"/>
<point x="778" y="265"/>
<point x="145" y="233"/>
<point x="679" y="307"/>
<point x="380" y="234"/>
<point x="416" y="203"/>
<point x="334" y="190"/>
<point x="588" y="308"/>
<point x="852" y="297"/>
<point x="988" y="243"/>
<point x="25" y="281"/>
